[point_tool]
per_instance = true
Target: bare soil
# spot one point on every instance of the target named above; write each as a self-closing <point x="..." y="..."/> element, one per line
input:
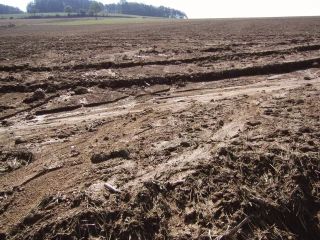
<point x="164" y="130"/>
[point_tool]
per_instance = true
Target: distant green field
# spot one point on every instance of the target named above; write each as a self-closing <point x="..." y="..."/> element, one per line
<point x="48" y="15"/>
<point x="26" y="15"/>
<point x="110" y="20"/>
<point x="75" y="20"/>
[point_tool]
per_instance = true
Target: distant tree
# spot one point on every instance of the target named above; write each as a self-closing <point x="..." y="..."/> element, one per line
<point x="47" y="6"/>
<point x="5" y="9"/>
<point x="29" y="6"/>
<point x="82" y="12"/>
<point x="111" y="8"/>
<point x="102" y="6"/>
<point x="68" y="9"/>
<point x="95" y="8"/>
<point x="141" y="9"/>
<point x="34" y="11"/>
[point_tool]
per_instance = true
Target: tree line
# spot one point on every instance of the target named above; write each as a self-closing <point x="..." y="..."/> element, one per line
<point x="141" y="9"/>
<point x="49" y="6"/>
<point x="122" y="7"/>
<point x="5" y="9"/>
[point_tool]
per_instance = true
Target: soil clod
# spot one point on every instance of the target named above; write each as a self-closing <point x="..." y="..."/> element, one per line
<point x="101" y="157"/>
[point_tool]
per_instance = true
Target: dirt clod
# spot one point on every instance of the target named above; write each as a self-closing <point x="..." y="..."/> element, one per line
<point x="81" y="90"/>
<point x="14" y="160"/>
<point x="101" y="157"/>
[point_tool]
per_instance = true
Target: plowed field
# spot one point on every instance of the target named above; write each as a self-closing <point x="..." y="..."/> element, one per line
<point x="193" y="129"/>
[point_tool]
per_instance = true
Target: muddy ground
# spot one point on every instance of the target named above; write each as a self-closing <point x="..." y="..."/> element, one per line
<point x="165" y="130"/>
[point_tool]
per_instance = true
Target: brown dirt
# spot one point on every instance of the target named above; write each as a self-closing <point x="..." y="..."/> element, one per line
<point x="199" y="124"/>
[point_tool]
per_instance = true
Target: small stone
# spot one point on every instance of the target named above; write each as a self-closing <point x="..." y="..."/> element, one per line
<point x="39" y="94"/>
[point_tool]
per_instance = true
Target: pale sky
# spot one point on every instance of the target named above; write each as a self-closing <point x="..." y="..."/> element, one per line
<point x="223" y="8"/>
